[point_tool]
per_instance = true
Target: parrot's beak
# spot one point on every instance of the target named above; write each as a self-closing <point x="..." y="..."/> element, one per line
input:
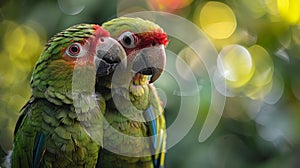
<point x="110" y="54"/>
<point x="150" y="61"/>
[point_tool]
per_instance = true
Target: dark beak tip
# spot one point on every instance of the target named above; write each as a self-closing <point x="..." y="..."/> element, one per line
<point x="150" y="61"/>
<point x="155" y="75"/>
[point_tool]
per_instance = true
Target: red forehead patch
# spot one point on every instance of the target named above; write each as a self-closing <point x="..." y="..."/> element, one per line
<point x="99" y="31"/>
<point x="152" y="38"/>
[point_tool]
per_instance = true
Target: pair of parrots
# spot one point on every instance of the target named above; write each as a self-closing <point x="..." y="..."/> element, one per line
<point x="93" y="103"/>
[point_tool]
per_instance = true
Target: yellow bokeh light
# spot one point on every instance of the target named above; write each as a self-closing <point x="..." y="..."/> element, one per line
<point x="22" y="45"/>
<point x="264" y="67"/>
<point x="28" y="41"/>
<point x="26" y="48"/>
<point x="235" y="64"/>
<point x="14" y="39"/>
<point x="289" y="10"/>
<point x="255" y="92"/>
<point x="217" y="20"/>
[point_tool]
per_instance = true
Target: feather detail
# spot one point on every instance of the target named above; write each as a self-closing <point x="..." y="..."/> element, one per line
<point x="39" y="150"/>
<point x="149" y="116"/>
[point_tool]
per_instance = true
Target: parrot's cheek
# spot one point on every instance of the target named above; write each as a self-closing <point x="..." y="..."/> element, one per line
<point x="150" y="61"/>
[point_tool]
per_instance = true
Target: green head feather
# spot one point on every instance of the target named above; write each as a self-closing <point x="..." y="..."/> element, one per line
<point x="136" y="25"/>
<point x="52" y="75"/>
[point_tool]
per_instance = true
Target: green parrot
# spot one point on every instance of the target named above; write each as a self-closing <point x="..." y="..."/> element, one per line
<point x="61" y="125"/>
<point x="133" y="108"/>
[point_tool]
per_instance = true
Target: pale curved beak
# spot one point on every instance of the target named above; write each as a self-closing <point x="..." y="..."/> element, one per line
<point x="150" y="61"/>
<point x="110" y="54"/>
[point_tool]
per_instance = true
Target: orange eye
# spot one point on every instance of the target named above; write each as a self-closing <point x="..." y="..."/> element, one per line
<point x="74" y="50"/>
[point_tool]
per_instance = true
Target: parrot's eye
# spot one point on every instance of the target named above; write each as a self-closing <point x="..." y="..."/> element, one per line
<point x="127" y="39"/>
<point x="74" y="50"/>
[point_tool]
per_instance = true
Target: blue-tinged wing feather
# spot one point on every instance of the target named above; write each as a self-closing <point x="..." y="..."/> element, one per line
<point x="150" y="117"/>
<point x="39" y="149"/>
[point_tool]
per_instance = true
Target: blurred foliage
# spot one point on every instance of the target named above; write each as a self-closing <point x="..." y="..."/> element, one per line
<point x="258" y="43"/>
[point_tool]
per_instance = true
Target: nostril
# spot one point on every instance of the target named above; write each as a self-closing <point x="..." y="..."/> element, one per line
<point x="153" y="43"/>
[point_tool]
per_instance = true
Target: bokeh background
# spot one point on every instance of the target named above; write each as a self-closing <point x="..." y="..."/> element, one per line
<point x="258" y="42"/>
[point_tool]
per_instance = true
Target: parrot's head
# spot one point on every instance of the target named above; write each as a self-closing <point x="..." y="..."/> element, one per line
<point x="84" y="51"/>
<point x="144" y="43"/>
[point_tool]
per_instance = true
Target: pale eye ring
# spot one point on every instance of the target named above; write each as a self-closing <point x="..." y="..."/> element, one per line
<point x="127" y="39"/>
<point x="74" y="50"/>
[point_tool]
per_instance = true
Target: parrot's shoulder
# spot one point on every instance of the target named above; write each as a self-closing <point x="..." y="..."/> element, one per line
<point x="23" y="113"/>
<point x="26" y="134"/>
